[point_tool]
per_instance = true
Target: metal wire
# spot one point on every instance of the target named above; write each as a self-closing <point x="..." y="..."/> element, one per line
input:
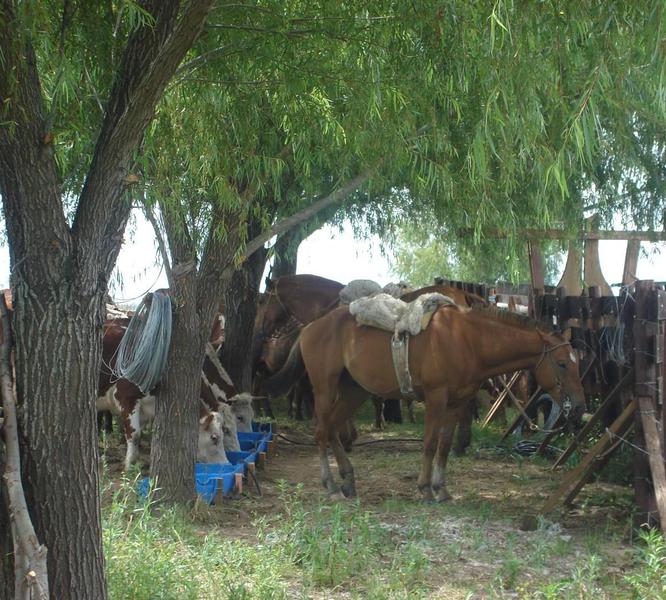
<point x="143" y="351"/>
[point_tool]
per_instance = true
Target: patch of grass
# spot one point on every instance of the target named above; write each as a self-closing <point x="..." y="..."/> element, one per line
<point x="648" y="581"/>
<point x="341" y="545"/>
<point x="150" y="555"/>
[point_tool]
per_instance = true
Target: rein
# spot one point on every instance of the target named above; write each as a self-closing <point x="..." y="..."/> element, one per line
<point x="293" y="322"/>
<point x="566" y="407"/>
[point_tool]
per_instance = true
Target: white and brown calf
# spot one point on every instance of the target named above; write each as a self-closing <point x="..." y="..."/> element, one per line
<point x="223" y="391"/>
<point x="136" y="409"/>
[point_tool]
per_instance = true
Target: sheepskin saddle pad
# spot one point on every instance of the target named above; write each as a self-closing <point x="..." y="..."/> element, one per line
<point x="391" y="314"/>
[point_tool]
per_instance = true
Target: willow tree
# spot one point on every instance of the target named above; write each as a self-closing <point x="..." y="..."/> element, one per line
<point x="79" y="84"/>
<point x="484" y="113"/>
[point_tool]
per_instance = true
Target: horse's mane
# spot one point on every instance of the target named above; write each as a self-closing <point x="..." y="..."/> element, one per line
<point x="497" y="314"/>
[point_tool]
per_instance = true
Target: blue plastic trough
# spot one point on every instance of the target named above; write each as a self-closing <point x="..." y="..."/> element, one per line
<point x="209" y="480"/>
<point x="243" y="458"/>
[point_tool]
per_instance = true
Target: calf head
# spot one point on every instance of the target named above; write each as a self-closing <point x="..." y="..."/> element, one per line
<point x="241" y="407"/>
<point x="210" y="448"/>
<point x="229" y="428"/>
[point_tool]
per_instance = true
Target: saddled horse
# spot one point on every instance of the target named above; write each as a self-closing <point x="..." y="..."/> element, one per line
<point x="289" y="303"/>
<point x="466" y="300"/>
<point x="448" y="361"/>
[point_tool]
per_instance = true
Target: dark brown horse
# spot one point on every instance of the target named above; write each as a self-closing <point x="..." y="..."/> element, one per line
<point x="289" y="303"/>
<point x="448" y="362"/>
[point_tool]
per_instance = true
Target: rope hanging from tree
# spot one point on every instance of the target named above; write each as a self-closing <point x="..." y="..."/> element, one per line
<point x="143" y="351"/>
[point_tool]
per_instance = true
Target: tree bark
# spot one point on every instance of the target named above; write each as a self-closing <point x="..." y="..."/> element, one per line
<point x="56" y="380"/>
<point x="174" y="444"/>
<point x="59" y="276"/>
<point x="240" y="302"/>
<point x="196" y="293"/>
<point x="286" y="253"/>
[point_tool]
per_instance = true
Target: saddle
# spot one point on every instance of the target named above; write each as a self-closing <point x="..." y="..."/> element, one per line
<point x="403" y="319"/>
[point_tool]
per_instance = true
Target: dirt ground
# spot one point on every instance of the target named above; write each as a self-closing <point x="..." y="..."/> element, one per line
<point x="477" y="530"/>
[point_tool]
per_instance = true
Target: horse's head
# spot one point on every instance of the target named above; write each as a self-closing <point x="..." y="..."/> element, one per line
<point x="557" y="373"/>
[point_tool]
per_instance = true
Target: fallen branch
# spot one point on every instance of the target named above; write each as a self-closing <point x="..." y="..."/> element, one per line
<point x="30" y="574"/>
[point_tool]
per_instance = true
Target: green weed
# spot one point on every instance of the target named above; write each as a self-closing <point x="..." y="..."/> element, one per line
<point x="649" y="579"/>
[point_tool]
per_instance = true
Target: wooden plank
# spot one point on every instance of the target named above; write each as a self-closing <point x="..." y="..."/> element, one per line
<point x="631" y="262"/>
<point x="598" y="464"/>
<point x="536" y="265"/>
<point x="661" y="305"/>
<point x="546" y="440"/>
<point x="573" y="271"/>
<point x="648" y="412"/>
<point x="596" y="417"/>
<point x="558" y="234"/>
<point x="519" y="417"/>
<point x="580" y="471"/>
<point x="500" y="400"/>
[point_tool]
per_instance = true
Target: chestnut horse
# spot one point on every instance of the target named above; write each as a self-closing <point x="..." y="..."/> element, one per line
<point x="448" y="361"/>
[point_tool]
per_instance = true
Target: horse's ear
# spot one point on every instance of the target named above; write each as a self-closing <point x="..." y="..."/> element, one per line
<point x="566" y="334"/>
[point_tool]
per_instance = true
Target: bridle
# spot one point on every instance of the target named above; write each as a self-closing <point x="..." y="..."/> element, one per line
<point x="546" y="351"/>
<point x="292" y="323"/>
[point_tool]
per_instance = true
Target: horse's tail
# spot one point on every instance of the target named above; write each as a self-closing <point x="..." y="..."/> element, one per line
<point x="279" y="383"/>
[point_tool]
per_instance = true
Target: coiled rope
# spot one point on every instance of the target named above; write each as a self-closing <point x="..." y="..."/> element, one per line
<point x="143" y="351"/>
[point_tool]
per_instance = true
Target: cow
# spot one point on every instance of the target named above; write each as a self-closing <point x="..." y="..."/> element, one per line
<point x="217" y="430"/>
<point x="215" y="377"/>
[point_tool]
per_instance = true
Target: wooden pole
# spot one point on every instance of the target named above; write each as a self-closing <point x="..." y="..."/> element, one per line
<point x="500" y="400"/>
<point x="596" y="417"/>
<point x="646" y="481"/>
<point x="30" y="574"/>
<point x="582" y="470"/>
<point x="592" y="268"/>
<point x="648" y="412"/>
<point x="631" y="262"/>
<point x="573" y="271"/>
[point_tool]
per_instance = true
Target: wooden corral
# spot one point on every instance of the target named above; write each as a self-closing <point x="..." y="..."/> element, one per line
<point x="620" y="340"/>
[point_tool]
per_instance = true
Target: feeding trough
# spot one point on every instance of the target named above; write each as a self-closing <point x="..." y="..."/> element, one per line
<point x="210" y="480"/>
<point x="244" y="458"/>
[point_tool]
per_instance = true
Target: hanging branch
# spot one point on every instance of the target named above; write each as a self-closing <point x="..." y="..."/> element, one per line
<point x="148" y="212"/>
<point x="30" y="575"/>
<point x="305" y="214"/>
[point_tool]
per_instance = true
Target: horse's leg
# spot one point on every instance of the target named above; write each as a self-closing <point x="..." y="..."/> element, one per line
<point x="410" y="409"/>
<point x="464" y="437"/>
<point x="450" y="418"/>
<point x="435" y="406"/>
<point x="298" y="400"/>
<point x="350" y="397"/>
<point x="347" y="434"/>
<point x="379" y="411"/>
<point x="268" y="411"/>
<point x="324" y="430"/>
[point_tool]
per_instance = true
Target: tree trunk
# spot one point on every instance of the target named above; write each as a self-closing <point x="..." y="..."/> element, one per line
<point x="286" y="253"/>
<point x="174" y="445"/>
<point x="240" y="302"/>
<point x="63" y="364"/>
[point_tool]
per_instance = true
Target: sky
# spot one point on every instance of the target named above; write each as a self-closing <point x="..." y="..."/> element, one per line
<point x="328" y="252"/>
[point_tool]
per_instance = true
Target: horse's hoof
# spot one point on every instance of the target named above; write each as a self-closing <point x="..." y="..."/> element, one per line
<point x="428" y="501"/>
<point x="349" y="491"/>
<point x="336" y="496"/>
<point x="441" y="498"/>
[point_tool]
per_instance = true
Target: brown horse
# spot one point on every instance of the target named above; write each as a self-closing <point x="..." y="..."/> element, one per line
<point x="467" y="300"/>
<point x="448" y="362"/>
<point x="289" y="303"/>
